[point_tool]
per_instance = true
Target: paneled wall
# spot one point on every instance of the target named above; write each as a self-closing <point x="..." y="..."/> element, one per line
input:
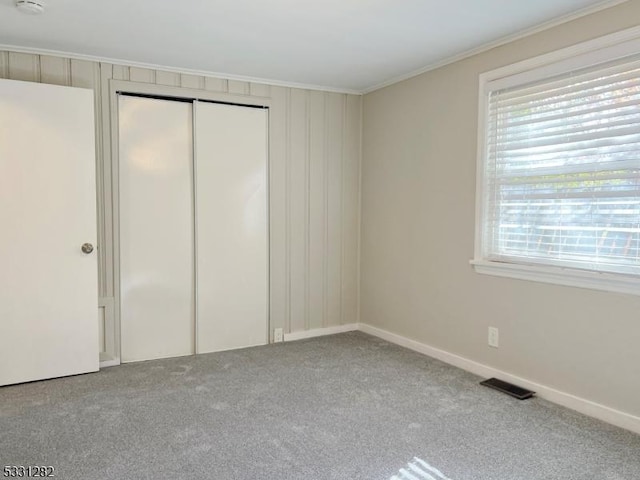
<point x="314" y="187"/>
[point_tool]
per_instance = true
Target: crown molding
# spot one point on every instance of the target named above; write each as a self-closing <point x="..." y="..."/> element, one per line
<point x="166" y="68"/>
<point x="279" y="83"/>
<point x="497" y="43"/>
<point x="586" y="407"/>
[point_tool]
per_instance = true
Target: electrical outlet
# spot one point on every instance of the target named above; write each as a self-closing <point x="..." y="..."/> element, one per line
<point x="494" y="337"/>
<point x="278" y="335"/>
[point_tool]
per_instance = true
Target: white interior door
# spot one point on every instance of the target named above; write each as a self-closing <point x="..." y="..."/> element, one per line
<point x="232" y="227"/>
<point x="48" y="286"/>
<point x="156" y="228"/>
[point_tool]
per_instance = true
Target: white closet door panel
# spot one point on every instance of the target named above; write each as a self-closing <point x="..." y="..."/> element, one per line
<point x="156" y="228"/>
<point x="231" y="225"/>
<point x="48" y="286"/>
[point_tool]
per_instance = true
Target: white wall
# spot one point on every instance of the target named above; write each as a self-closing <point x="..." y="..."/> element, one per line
<point x="314" y="187"/>
<point x="418" y="204"/>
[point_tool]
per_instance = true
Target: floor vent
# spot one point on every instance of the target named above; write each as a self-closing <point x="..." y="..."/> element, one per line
<point x="508" y="388"/>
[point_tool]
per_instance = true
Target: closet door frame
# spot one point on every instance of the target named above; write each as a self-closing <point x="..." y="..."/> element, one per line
<point x="168" y="92"/>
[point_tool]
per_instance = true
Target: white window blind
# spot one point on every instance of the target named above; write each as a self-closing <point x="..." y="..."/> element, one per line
<point x="562" y="171"/>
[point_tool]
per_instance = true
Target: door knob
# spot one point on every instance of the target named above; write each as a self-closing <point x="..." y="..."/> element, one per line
<point x="87" y="248"/>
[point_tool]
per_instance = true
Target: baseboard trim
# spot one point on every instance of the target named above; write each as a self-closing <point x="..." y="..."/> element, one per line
<point x="320" y="332"/>
<point x="581" y="405"/>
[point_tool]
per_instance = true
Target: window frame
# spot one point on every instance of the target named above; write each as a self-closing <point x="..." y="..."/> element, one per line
<point x="590" y="53"/>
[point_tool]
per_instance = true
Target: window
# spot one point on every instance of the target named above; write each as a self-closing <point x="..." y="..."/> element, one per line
<point x="559" y="169"/>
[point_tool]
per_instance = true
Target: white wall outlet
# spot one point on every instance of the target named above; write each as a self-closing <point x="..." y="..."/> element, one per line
<point x="494" y="337"/>
<point x="278" y="335"/>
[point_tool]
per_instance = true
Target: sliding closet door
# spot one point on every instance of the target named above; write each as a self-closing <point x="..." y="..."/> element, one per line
<point x="156" y="228"/>
<point x="231" y="225"/>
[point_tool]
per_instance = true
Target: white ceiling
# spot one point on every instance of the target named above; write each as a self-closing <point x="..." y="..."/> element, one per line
<point x="350" y="45"/>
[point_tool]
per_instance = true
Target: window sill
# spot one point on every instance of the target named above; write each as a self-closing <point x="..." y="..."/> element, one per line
<point x="608" y="282"/>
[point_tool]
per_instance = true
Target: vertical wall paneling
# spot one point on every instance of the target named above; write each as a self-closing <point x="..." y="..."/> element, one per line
<point x="110" y="244"/>
<point x="24" y="66"/>
<point x="334" y="160"/>
<point x="107" y="340"/>
<point x="351" y="208"/>
<point x="278" y="217"/>
<point x="120" y="72"/>
<point x="55" y="70"/>
<point x="107" y="288"/>
<point x="314" y="175"/>
<point x="239" y="87"/>
<point x="142" y="75"/>
<point x="101" y="325"/>
<point x="85" y="74"/>
<point x="191" y="81"/>
<point x="4" y="64"/>
<point x="170" y="79"/>
<point x="260" y="90"/>
<point x="298" y="210"/>
<point x="215" y="84"/>
<point x="317" y="178"/>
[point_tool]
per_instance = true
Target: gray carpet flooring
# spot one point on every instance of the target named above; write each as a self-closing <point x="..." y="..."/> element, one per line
<point x="347" y="406"/>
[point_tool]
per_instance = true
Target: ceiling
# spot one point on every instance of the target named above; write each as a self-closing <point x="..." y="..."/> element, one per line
<point x="347" y="45"/>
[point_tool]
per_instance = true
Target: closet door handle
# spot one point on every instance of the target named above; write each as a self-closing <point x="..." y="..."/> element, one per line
<point x="87" y="248"/>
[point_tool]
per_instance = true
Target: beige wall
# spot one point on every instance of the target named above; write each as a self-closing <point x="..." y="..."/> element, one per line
<point x="314" y="187"/>
<point x="418" y="206"/>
